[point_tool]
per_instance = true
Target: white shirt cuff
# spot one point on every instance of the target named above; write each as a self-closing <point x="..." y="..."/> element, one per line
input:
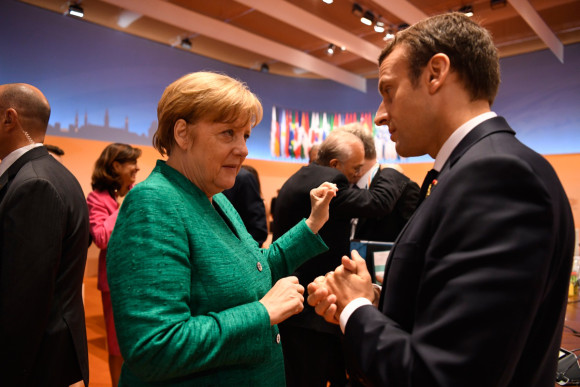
<point x="350" y="308"/>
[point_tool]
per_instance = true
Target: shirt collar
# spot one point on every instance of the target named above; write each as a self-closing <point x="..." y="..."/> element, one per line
<point x="365" y="180"/>
<point x="456" y="138"/>
<point x="15" y="155"/>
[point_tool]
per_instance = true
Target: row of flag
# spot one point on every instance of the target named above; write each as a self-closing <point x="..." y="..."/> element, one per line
<point x="293" y="133"/>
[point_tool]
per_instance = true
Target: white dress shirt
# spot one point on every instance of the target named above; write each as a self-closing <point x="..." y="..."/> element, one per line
<point x="15" y="155"/>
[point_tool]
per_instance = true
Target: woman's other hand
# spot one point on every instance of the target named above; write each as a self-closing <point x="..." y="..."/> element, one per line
<point x="320" y="200"/>
<point x="286" y="298"/>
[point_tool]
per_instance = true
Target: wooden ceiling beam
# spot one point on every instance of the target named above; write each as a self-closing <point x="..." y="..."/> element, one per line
<point x="191" y="21"/>
<point x="403" y="10"/>
<point x="535" y="21"/>
<point x="299" y="18"/>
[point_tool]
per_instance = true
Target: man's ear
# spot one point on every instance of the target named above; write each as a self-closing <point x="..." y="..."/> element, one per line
<point x="437" y="69"/>
<point x="333" y="163"/>
<point x="10" y="117"/>
<point x="180" y="134"/>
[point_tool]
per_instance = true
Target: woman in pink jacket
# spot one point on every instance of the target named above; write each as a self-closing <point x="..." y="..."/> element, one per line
<point x="113" y="177"/>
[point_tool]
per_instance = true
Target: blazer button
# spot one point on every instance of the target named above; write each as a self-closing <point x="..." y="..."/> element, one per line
<point x="259" y="266"/>
<point x="278" y="338"/>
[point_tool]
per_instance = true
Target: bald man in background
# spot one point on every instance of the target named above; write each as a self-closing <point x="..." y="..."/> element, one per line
<point x="43" y="249"/>
<point x="312" y="351"/>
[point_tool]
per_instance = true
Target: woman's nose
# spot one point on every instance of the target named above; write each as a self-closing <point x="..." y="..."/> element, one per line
<point x="241" y="148"/>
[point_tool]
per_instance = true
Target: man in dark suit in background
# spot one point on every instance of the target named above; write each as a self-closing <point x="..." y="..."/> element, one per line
<point x="476" y="285"/>
<point x="43" y="248"/>
<point x="246" y="197"/>
<point x="312" y="354"/>
<point x="404" y="193"/>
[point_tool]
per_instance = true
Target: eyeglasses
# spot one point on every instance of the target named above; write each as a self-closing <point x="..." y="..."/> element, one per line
<point x="568" y="373"/>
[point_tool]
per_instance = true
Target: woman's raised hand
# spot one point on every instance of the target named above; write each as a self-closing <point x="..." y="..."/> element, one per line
<point x="320" y="200"/>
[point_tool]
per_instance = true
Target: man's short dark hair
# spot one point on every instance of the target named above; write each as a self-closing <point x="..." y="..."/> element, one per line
<point x="468" y="45"/>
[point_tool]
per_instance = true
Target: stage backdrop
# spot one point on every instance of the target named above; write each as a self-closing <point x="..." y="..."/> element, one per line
<point x="104" y="85"/>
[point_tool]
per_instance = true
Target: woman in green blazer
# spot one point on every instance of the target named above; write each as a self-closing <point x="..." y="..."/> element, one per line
<point x="195" y="300"/>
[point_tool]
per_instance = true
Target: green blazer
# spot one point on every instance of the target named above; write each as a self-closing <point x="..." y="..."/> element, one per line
<point x="186" y="283"/>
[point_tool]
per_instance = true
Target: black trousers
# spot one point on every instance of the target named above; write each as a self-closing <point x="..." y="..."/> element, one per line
<point x="311" y="358"/>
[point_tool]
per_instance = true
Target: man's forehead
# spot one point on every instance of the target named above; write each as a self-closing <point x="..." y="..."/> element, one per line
<point x="393" y="61"/>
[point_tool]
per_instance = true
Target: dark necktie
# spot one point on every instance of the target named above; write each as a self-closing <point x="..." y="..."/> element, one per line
<point x="431" y="176"/>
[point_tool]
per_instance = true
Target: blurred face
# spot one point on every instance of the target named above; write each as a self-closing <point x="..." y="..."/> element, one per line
<point x="216" y="154"/>
<point x="128" y="173"/>
<point x="404" y="108"/>
<point x="351" y="167"/>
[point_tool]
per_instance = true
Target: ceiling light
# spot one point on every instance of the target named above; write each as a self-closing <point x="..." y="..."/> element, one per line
<point x="380" y="27"/>
<point x="330" y="49"/>
<point x="186" y="43"/>
<point x="357" y="10"/>
<point x="126" y="18"/>
<point x="367" y="18"/>
<point x="76" y="10"/>
<point x="467" y="10"/>
<point x="328" y="1"/>
<point x="494" y="4"/>
<point x="389" y="35"/>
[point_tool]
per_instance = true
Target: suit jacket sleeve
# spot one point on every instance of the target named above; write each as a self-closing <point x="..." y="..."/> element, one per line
<point x="30" y="254"/>
<point x="479" y="273"/>
<point x="379" y="200"/>
<point x="292" y="249"/>
<point x="103" y="211"/>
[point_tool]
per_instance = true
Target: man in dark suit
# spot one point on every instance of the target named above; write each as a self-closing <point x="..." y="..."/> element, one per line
<point x="403" y="191"/>
<point x="246" y="197"/>
<point x="476" y="285"/>
<point x="43" y="247"/>
<point x="312" y="354"/>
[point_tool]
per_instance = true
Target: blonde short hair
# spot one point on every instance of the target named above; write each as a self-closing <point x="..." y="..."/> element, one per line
<point x="204" y="96"/>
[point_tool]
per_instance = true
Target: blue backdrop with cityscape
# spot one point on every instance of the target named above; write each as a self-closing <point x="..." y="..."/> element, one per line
<point x="104" y="84"/>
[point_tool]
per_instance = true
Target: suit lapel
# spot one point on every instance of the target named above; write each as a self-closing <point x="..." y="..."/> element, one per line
<point x="493" y="125"/>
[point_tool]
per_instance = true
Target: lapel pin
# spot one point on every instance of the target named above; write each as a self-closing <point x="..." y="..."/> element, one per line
<point x="433" y="184"/>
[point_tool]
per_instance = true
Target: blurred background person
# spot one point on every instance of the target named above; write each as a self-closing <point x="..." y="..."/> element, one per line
<point x="313" y="153"/>
<point x="113" y="176"/>
<point x="196" y="301"/>
<point x="403" y="193"/>
<point x="246" y="197"/>
<point x="312" y="350"/>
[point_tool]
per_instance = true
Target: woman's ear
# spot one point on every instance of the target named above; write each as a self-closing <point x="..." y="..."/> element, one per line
<point x="437" y="69"/>
<point x="180" y="134"/>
